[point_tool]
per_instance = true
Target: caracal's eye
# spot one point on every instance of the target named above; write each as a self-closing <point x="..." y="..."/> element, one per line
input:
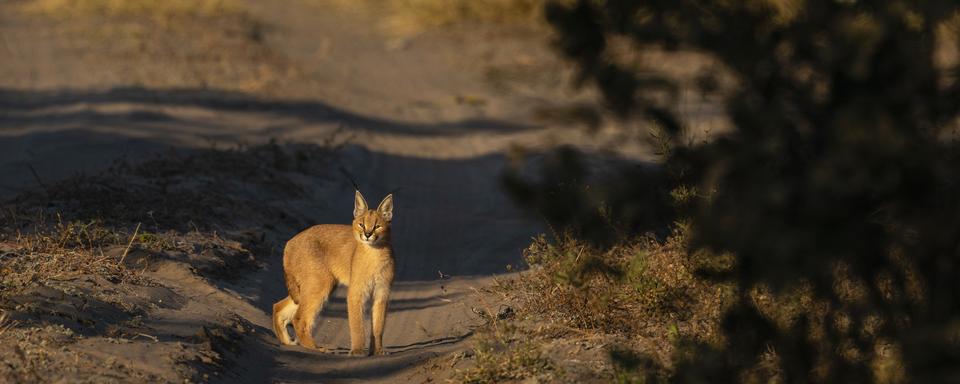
<point x="375" y="227"/>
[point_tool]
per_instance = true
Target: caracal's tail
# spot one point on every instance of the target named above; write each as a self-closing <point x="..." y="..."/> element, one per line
<point x="283" y="312"/>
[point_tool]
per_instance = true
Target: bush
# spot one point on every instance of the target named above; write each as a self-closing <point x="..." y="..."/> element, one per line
<point x="837" y="185"/>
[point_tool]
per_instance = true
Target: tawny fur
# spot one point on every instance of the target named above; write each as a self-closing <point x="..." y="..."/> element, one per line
<point x="359" y="256"/>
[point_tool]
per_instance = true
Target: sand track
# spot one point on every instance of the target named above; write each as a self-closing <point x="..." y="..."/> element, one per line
<point x="396" y="113"/>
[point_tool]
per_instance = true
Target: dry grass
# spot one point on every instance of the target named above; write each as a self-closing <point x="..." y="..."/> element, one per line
<point x="47" y="266"/>
<point x="160" y="11"/>
<point x="646" y="302"/>
<point x="40" y="247"/>
<point x="617" y="312"/>
<point x="170" y="43"/>
<point x="633" y="288"/>
<point x="409" y="17"/>
<point x="502" y="352"/>
<point x="827" y="325"/>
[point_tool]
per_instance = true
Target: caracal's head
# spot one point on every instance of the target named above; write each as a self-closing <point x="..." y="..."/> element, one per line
<point x="372" y="226"/>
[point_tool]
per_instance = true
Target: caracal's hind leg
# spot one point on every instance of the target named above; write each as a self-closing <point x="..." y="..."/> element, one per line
<point x="283" y="312"/>
<point x="312" y="298"/>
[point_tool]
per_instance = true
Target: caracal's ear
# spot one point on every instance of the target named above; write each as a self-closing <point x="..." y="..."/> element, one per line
<point x="359" y="205"/>
<point x="386" y="207"/>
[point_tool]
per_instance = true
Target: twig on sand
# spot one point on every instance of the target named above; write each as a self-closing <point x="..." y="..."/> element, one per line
<point x="154" y="338"/>
<point x="39" y="181"/>
<point x="130" y="244"/>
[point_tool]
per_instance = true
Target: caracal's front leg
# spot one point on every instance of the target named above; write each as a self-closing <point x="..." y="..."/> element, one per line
<point x="355" y="300"/>
<point x="381" y="295"/>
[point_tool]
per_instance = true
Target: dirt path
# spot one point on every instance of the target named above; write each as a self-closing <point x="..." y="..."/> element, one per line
<point x="414" y="114"/>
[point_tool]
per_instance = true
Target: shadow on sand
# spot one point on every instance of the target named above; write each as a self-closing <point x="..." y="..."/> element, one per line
<point x="34" y="108"/>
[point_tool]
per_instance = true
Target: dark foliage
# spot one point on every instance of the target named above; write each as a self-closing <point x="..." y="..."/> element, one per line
<point x="597" y="205"/>
<point x="839" y="160"/>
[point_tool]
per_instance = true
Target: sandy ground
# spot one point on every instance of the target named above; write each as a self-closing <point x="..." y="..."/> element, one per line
<point x="418" y="114"/>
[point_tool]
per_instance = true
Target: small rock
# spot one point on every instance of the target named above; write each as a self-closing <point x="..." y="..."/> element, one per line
<point x="505" y="312"/>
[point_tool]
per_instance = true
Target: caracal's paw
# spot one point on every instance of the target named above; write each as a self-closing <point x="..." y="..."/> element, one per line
<point x="307" y="342"/>
<point x="357" y="352"/>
